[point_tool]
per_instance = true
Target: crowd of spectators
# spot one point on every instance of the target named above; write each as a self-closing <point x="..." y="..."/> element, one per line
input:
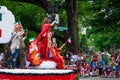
<point x="100" y="64"/>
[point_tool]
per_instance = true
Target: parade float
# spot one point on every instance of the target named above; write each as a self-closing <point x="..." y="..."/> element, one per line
<point x="7" y="20"/>
<point x="43" y="69"/>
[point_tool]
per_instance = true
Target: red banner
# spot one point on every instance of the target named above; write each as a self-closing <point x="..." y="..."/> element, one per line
<point x="0" y="33"/>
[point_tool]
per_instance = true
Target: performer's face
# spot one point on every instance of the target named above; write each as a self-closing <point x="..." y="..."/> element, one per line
<point x="54" y="45"/>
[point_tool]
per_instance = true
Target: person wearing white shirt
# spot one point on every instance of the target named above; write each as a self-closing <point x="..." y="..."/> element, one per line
<point x="15" y="45"/>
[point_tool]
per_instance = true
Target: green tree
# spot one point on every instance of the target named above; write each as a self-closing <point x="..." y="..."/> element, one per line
<point x="71" y="7"/>
<point x="102" y="16"/>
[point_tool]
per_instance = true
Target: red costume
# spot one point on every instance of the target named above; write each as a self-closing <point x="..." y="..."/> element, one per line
<point x="32" y="56"/>
<point x="42" y="41"/>
<point x="57" y="58"/>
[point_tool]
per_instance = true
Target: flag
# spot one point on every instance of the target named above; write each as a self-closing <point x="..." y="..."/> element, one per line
<point x="78" y="76"/>
<point x="69" y="40"/>
<point x="31" y="40"/>
<point x="24" y="32"/>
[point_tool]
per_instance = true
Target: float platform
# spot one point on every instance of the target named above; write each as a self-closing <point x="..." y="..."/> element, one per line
<point x="36" y="74"/>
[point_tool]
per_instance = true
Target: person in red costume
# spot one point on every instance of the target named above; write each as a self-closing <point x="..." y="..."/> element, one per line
<point x="33" y="54"/>
<point x="54" y="54"/>
<point x="43" y="39"/>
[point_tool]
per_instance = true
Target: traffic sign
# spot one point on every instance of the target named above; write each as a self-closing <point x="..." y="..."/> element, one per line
<point x="62" y="28"/>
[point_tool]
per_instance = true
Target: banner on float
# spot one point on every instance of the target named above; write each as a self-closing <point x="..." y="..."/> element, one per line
<point x="7" y="20"/>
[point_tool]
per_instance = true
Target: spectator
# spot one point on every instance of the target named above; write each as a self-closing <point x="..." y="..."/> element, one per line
<point x="94" y="71"/>
<point x="105" y="59"/>
<point x="67" y="58"/>
<point x="93" y="64"/>
<point x="95" y="58"/>
<point x="114" y="56"/>
<point x="118" y="65"/>
<point x="87" y="69"/>
<point x="107" y="72"/>
<point x="100" y="55"/>
<point x="100" y="66"/>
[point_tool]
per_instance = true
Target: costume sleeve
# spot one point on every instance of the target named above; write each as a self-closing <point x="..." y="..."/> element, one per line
<point x="45" y="29"/>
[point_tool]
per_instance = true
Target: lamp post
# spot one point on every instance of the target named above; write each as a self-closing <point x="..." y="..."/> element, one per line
<point x="53" y="15"/>
<point x="53" y="10"/>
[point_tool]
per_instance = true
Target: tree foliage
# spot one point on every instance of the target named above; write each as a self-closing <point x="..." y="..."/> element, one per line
<point x="29" y="15"/>
<point x="106" y="24"/>
<point x="100" y="17"/>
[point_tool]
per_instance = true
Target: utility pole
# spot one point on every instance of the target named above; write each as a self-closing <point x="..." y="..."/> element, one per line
<point x="53" y="15"/>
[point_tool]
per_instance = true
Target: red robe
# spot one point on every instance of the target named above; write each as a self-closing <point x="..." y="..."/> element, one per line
<point x="57" y="58"/>
<point x="42" y="41"/>
<point x="32" y="58"/>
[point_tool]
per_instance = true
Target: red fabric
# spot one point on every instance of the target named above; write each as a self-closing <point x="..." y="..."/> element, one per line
<point x="42" y="41"/>
<point x="38" y="77"/>
<point x="95" y="57"/>
<point x="0" y="33"/>
<point x="87" y="66"/>
<point x="32" y="58"/>
<point x="57" y="58"/>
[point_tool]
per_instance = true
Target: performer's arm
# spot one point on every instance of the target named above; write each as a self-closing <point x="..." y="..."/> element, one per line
<point x="24" y="38"/>
<point x="53" y="23"/>
<point x="62" y="46"/>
